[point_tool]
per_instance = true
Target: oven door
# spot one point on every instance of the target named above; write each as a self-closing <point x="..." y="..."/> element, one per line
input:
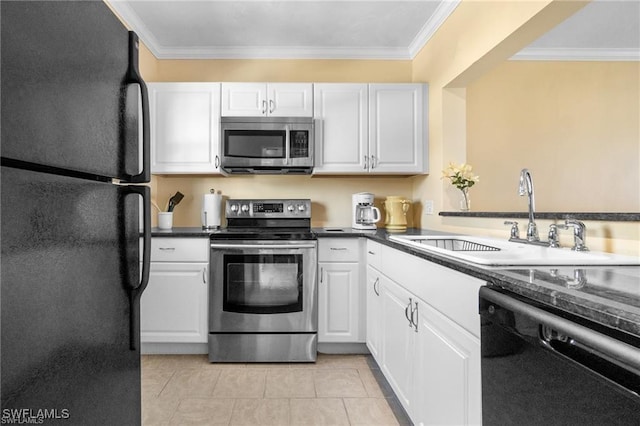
<point x="262" y="286"/>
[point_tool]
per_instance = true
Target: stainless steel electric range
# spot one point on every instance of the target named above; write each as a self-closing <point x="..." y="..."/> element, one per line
<point x="263" y="304"/>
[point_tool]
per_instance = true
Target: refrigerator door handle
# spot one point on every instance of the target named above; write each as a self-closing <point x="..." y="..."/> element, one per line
<point x="136" y="291"/>
<point x="134" y="77"/>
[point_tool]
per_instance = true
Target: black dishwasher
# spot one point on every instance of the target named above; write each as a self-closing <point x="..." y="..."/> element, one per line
<point x="542" y="366"/>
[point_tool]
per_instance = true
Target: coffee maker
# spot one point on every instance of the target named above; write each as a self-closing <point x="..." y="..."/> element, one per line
<point x="364" y="215"/>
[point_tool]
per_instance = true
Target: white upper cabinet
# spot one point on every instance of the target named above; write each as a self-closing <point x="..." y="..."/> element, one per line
<point x="342" y="138"/>
<point x="398" y="128"/>
<point x="371" y="128"/>
<point x="267" y="99"/>
<point x="185" y="127"/>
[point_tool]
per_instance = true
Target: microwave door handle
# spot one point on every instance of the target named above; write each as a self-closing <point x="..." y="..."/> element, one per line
<point x="286" y="145"/>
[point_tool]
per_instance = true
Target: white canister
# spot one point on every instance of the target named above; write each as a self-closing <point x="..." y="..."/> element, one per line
<point x="165" y="220"/>
<point x="211" y="209"/>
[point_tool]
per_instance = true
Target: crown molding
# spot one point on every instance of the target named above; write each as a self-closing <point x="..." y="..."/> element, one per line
<point x="281" y="52"/>
<point x="561" y="54"/>
<point x="445" y="8"/>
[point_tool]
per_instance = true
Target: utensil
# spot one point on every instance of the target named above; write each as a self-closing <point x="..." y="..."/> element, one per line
<point x="175" y="200"/>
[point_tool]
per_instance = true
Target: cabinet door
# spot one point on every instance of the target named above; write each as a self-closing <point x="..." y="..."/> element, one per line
<point x="290" y="99"/>
<point x="374" y="312"/>
<point x="244" y="99"/>
<point x="341" y="128"/>
<point x="339" y="303"/>
<point x="397" y="128"/>
<point x="447" y="378"/>
<point x="185" y="127"/>
<point x="397" y="341"/>
<point x="173" y="308"/>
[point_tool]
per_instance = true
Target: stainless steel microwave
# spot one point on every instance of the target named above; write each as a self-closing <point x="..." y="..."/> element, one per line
<point x="269" y="145"/>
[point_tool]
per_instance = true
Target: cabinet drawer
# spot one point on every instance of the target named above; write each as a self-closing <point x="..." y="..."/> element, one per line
<point x="374" y="254"/>
<point x="179" y="249"/>
<point x="338" y="250"/>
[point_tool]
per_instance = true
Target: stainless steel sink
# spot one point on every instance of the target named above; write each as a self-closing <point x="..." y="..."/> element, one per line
<point x="496" y="252"/>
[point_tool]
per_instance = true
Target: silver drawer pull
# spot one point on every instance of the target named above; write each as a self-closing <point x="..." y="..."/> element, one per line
<point x="167" y="248"/>
<point x="370" y="252"/>
<point x="338" y="248"/>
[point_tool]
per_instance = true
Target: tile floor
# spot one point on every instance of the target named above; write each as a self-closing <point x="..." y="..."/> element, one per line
<point x="336" y="390"/>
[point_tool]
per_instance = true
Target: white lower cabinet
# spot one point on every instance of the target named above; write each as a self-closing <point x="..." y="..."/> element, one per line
<point x="374" y="311"/>
<point x="447" y="378"/>
<point x="427" y="347"/>
<point x="398" y="341"/>
<point x="338" y="302"/>
<point x="341" y="298"/>
<point x="174" y="306"/>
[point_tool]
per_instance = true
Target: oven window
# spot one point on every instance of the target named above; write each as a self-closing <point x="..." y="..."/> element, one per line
<point x="263" y="284"/>
<point x="254" y="143"/>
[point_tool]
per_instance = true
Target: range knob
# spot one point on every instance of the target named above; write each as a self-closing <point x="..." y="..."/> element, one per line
<point x="301" y="207"/>
<point x="234" y="208"/>
<point x="245" y="208"/>
<point x="290" y="207"/>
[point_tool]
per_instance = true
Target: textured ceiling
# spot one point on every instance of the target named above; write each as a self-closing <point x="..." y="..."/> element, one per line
<point x="352" y="29"/>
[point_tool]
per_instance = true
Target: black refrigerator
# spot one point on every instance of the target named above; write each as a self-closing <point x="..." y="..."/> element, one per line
<point x="75" y="227"/>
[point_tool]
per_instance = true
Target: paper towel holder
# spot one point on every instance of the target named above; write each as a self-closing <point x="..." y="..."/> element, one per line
<point x="211" y="215"/>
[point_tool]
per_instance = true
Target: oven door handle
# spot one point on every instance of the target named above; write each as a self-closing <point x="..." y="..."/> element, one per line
<point x="262" y="246"/>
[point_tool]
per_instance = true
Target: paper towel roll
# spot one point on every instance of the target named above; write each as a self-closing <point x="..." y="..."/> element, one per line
<point x="211" y="204"/>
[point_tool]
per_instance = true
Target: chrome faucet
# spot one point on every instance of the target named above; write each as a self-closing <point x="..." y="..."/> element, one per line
<point x="526" y="187"/>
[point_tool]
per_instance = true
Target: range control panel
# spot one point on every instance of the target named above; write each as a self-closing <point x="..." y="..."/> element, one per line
<point x="300" y="208"/>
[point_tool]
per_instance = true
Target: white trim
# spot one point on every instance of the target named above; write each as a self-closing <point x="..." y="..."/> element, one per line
<point x="136" y="24"/>
<point x="562" y="54"/>
<point x="445" y="8"/>
<point x="281" y="52"/>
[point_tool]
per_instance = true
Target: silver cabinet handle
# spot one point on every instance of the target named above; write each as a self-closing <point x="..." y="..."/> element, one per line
<point x="374" y="162"/>
<point x="337" y="248"/>
<point x="321" y="274"/>
<point x="217" y="162"/>
<point x="377" y="281"/>
<point x="166" y="248"/>
<point x="371" y="252"/>
<point x="406" y="312"/>
<point x="415" y="323"/>
<point x="271" y="106"/>
<point x="264" y="107"/>
<point x="204" y="275"/>
<point x="366" y="161"/>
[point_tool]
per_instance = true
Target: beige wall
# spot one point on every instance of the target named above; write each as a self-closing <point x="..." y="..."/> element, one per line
<point x="283" y="70"/>
<point x="330" y="196"/>
<point x="575" y="125"/>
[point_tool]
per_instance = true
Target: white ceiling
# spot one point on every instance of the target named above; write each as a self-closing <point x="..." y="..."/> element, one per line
<point x="354" y="29"/>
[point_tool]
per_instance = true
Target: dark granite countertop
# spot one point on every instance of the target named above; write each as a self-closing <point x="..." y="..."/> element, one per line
<point x="181" y="232"/>
<point x="610" y="296"/>
<point x="608" y="216"/>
